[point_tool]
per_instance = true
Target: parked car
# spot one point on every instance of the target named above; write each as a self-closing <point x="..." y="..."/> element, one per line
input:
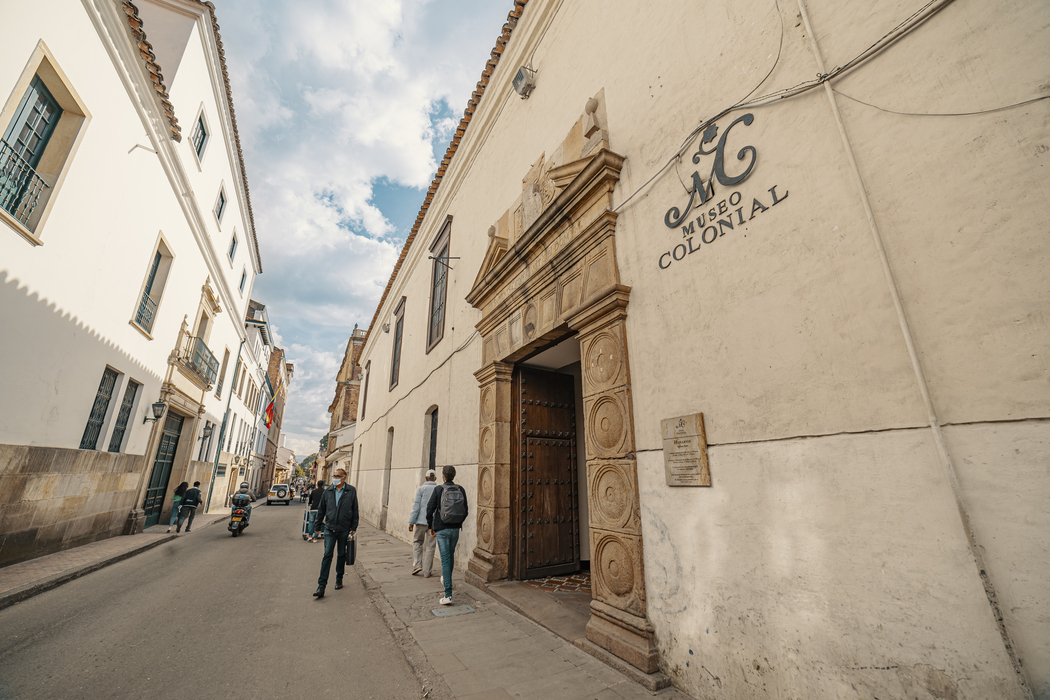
<point x="280" y="493"/>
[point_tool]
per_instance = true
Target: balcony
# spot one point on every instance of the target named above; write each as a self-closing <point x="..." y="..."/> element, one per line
<point x="20" y="185"/>
<point x="147" y="308"/>
<point x="200" y="359"/>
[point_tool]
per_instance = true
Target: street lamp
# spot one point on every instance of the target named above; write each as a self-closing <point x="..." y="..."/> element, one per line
<point x="207" y="432"/>
<point x="158" y="411"/>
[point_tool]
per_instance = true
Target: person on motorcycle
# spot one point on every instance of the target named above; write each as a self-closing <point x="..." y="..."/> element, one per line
<point x="243" y="499"/>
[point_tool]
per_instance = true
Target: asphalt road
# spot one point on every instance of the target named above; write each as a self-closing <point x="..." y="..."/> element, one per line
<point x="206" y="616"/>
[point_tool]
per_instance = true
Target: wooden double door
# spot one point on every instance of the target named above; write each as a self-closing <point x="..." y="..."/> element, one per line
<point x="545" y="514"/>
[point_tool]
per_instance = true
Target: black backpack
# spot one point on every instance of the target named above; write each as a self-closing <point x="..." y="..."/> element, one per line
<point x="453" y="504"/>
<point x="191" y="498"/>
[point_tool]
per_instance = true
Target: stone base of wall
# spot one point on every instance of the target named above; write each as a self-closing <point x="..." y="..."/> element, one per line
<point x="53" y="499"/>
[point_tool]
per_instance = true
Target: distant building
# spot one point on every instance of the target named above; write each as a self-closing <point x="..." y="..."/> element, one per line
<point x="128" y="255"/>
<point x="279" y="376"/>
<point x="343" y="408"/>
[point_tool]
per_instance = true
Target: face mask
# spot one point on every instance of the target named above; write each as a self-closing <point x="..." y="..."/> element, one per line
<point x="337" y="480"/>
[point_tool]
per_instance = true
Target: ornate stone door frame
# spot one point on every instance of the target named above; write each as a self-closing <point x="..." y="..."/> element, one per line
<point x="561" y="277"/>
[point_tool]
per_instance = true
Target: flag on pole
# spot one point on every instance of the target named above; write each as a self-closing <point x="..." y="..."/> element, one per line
<point x="269" y="415"/>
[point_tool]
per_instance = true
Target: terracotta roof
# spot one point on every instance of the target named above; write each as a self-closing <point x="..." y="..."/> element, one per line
<point x="150" y="59"/>
<point x="472" y="105"/>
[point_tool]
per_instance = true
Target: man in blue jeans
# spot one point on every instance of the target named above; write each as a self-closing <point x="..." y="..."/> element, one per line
<point x="445" y="515"/>
<point x="337" y="517"/>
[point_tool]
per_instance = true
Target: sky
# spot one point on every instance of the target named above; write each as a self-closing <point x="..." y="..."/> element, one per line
<point x="344" y="109"/>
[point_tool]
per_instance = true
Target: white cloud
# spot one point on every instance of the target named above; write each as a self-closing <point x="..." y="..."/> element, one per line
<point x="331" y="96"/>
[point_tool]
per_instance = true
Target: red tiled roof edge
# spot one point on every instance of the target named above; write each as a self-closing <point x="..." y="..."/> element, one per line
<point x="150" y="59"/>
<point x="475" y="99"/>
<point x="233" y="119"/>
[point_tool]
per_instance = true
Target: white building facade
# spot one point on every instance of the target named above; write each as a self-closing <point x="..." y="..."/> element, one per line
<point x="763" y="351"/>
<point x="127" y="259"/>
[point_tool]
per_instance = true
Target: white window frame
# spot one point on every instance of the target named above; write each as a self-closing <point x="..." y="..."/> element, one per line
<point x="201" y="118"/>
<point x="220" y="197"/>
<point x="62" y="147"/>
<point x="163" y="273"/>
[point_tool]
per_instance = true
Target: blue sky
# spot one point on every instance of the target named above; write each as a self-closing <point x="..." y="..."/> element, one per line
<point x="344" y="109"/>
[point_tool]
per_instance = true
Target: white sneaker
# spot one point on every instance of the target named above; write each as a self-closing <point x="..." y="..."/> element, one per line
<point x="445" y="601"/>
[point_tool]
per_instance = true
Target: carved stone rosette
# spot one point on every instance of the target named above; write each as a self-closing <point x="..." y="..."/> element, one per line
<point x="490" y="559"/>
<point x="618" y="612"/>
<point x="536" y="287"/>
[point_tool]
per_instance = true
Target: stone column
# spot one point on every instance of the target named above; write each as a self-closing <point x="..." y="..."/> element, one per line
<point x="618" y="610"/>
<point x="489" y="561"/>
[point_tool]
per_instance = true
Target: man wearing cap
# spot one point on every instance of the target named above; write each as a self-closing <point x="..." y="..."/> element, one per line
<point x="417" y="525"/>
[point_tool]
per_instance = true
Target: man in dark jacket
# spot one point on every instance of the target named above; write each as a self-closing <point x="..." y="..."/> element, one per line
<point x="188" y="506"/>
<point x="315" y="502"/>
<point x="447" y="531"/>
<point x="337" y="516"/>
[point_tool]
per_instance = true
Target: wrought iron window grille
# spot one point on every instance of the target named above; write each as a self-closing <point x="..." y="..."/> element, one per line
<point x="20" y="185"/>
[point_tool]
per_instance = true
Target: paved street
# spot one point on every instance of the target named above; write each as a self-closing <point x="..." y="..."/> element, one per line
<point x="205" y="616"/>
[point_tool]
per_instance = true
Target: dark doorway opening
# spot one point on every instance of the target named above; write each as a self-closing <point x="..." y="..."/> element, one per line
<point x="158" y="480"/>
<point x="544" y="485"/>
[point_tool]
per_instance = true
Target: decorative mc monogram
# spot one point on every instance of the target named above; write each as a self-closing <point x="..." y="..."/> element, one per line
<point x="674" y="218"/>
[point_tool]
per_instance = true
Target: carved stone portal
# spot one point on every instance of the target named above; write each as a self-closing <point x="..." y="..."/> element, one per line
<point x="560" y="279"/>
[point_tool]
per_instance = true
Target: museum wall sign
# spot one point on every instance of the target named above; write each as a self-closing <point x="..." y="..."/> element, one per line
<point x="724" y="214"/>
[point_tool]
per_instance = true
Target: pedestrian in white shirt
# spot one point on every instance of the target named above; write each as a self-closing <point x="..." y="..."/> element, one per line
<point x="417" y="525"/>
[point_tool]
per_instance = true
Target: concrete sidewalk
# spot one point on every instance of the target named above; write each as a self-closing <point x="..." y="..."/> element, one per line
<point x="488" y="654"/>
<point x="29" y="578"/>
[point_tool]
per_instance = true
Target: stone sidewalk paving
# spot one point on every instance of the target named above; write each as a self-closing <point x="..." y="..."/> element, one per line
<point x="28" y="578"/>
<point x="492" y="653"/>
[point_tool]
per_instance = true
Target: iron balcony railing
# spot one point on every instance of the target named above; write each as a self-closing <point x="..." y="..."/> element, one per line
<point x="147" y="308"/>
<point x="201" y="359"/>
<point x="20" y="185"/>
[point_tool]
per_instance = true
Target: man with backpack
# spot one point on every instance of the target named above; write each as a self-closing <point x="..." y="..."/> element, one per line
<point x="188" y="507"/>
<point x="446" y="513"/>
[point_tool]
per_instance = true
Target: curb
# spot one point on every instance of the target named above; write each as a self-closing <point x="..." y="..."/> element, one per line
<point x="434" y="686"/>
<point x="17" y="595"/>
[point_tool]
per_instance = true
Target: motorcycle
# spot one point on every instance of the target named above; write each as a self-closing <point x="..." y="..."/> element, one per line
<point x="238" y="521"/>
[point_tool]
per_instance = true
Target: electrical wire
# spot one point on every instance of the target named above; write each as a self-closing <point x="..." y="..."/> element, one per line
<point x="943" y="114"/>
<point x="901" y="29"/>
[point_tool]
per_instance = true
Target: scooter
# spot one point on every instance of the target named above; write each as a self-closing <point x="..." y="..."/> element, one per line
<point x="238" y="521"/>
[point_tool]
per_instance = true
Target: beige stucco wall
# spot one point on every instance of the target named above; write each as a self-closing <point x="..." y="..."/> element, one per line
<point x="829" y="558"/>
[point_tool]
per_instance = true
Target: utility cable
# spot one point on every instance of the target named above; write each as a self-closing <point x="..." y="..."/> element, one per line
<point x="901" y="29"/>
<point x="943" y="114"/>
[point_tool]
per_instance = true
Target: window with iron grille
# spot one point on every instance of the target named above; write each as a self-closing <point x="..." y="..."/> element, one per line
<point x="99" y="409"/>
<point x="200" y="137"/>
<point x="438" y="286"/>
<point x="23" y="146"/>
<point x="123" y="416"/>
<point x="399" y="329"/>
<point x="220" y="205"/>
<point x="222" y="374"/>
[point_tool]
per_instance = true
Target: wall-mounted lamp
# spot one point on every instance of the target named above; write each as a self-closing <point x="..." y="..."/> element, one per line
<point x="524" y="82"/>
<point x="158" y="411"/>
<point x="386" y="327"/>
<point x="207" y="432"/>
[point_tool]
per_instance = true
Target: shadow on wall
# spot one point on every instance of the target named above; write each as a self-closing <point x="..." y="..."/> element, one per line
<point x="54" y="348"/>
<point x="53" y="498"/>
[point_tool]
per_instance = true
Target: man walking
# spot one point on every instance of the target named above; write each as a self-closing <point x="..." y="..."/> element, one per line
<point x="337" y="515"/>
<point x="188" y="507"/>
<point x="445" y="515"/>
<point x="417" y="526"/>
<point x="315" y="503"/>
